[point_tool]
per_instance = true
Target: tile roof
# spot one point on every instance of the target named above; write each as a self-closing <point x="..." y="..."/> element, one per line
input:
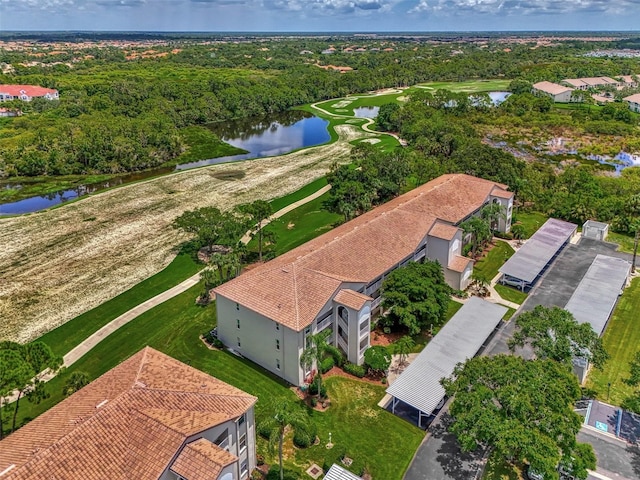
<point x="459" y="263"/>
<point x="501" y="193"/>
<point x="352" y="299"/>
<point x="202" y="460"/>
<point x="293" y="288"/>
<point x="129" y="423"/>
<point x="635" y="98"/>
<point x="30" y="90"/>
<point x="443" y="230"/>
<point x="551" y="88"/>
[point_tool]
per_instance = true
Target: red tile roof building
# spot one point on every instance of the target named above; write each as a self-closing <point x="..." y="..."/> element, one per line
<point x="151" y="417"/>
<point x="26" y="92"/>
<point x="266" y="313"/>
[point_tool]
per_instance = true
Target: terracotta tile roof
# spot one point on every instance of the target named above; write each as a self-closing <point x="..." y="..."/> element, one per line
<point x="293" y="288"/>
<point x="635" y="98"/>
<point x="129" y="423"/>
<point x="202" y="460"/>
<point x="352" y="299"/>
<point x="551" y="88"/>
<point x="501" y="193"/>
<point x="459" y="263"/>
<point x="443" y="230"/>
<point x="30" y="90"/>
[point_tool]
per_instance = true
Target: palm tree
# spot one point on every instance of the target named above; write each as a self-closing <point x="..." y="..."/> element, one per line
<point x="314" y="353"/>
<point x="493" y="213"/>
<point x="403" y="347"/>
<point x="285" y="413"/>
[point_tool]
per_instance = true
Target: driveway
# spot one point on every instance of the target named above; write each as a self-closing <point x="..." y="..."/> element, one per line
<point x="617" y="459"/>
<point x="439" y="456"/>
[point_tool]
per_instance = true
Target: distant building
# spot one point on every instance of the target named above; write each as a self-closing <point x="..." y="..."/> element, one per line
<point x="150" y="418"/>
<point x="26" y="92"/>
<point x="634" y="102"/>
<point x="590" y="82"/>
<point x="8" y="112"/>
<point x="629" y="81"/>
<point x="558" y="93"/>
<point x="333" y="282"/>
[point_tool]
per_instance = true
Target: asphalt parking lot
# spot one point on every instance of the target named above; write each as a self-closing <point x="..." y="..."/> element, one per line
<point x="562" y="278"/>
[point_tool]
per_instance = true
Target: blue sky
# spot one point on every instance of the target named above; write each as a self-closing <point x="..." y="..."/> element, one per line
<point x="319" y="15"/>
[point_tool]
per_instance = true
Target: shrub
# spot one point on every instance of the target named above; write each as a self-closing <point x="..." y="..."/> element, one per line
<point x="274" y="474"/>
<point x="337" y="355"/>
<point x="304" y="437"/>
<point x="335" y="455"/>
<point x="327" y="364"/>
<point x="314" y="402"/>
<point x="353" y="369"/>
<point x="503" y="235"/>
<point x="263" y="431"/>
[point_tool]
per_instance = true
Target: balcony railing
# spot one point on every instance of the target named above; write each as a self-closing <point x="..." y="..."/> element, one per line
<point x="325" y="324"/>
<point x="343" y="344"/>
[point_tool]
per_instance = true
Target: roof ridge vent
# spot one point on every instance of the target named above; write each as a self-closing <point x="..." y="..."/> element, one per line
<point x="102" y="403"/>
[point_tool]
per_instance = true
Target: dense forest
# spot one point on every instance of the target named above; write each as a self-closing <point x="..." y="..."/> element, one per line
<point x="125" y="109"/>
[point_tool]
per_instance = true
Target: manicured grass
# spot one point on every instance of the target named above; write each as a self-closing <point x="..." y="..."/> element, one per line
<point x="487" y="267"/>
<point x="511" y="294"/>
<point x="510" y="311"/>
<point x="67" y="336"/>
<point x="470" y="86"/>
<point x="373" y="437"/>
<point x="202" y="145"/>
<point x="624" y="241"/>
<point x="498" y="470"/>
<point x="622" y="341"/>
<point x="531" y="221"/>
<point x="301" y="225"/>
<point x="309" y="189"/>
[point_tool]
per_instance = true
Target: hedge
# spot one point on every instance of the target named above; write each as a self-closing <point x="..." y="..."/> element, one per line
<point x="353" y="369"/>
<point x="327" y="364"/>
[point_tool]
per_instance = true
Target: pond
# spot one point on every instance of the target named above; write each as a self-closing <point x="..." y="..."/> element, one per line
<point x="264" y="137"/>
<point x="268" y="137"/>
<point x="366" y="112"/>
<point x="498" y="97"/>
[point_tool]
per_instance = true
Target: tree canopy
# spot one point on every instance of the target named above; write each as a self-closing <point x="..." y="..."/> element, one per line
<point x="212" y="227"/>
<point x="416" y="296"/>
<point x="377" y="358"/>
<point x="555" y="334"/>
<point x="523" y="409"/>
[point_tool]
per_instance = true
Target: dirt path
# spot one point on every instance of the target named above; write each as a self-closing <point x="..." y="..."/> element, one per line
<point x="57" y="264"/>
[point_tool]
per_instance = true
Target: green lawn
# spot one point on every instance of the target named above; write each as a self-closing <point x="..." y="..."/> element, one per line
<point x="487" y="267"/>
<point x="511" y="294"/>
<point x="309" y="189"/>
<point x="470" y="86"/>
<point x="300" y="225"/>
<point x="624" y="241"/>
<point x="622" y="341"/>
<point x="531" y="221"/>
<point x="67" y="336"/>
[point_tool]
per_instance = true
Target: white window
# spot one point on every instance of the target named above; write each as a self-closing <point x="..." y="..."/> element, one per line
<point x="242" y="419"/>
<point x="243" y="442"/>
<point x="244" y="471"/>
<point x="278" y="363"/>
<point x="238" y="322"/>
<point x="239" y="345"/>
<point x="277" y="344"/>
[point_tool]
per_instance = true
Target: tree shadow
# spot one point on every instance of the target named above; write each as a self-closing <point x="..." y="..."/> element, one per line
<point x="455" y="463"/>
<point x="634" y="450"/>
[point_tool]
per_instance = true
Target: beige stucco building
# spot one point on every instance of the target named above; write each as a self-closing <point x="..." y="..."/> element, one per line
<point x="333" y="282"/>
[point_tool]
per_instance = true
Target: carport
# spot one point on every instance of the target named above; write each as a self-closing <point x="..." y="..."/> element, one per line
<point x="459" y="339"/>
<point x="529" y="262"/>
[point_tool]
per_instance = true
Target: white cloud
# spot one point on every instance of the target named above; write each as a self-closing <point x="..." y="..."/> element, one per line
<point x="525" y="7"/>
<point x="331" y="6"/>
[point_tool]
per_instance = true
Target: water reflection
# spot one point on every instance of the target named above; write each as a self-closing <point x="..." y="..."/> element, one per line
<point x="366" y="112"/>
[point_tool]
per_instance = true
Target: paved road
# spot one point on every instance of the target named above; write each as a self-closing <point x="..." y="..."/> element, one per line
<point x="613" y="455"/>
<point x="439" y="456"/>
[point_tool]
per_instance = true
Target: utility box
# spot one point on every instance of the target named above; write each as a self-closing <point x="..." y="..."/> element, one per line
<point x="595" y="230"/>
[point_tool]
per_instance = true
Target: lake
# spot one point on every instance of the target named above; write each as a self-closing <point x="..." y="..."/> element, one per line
<point x="366" y="112"/>
<point x="263" y="137"/>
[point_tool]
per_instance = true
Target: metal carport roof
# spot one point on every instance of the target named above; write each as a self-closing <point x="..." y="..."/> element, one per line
<point x="527" y="263"/>
<point x="596" y="295"/>
<point x="336" y="472"/>
<point x="459" y="339"/>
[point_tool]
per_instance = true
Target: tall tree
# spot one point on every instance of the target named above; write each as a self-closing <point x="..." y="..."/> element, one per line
<point x="523" y="409"/>
<point x="377" y="358"/>
<point x="479" y="231"/>
<point x="416" y="296"/>
<point x="284" y="413"/>
<point x="555" y="334"/>
<point x="403" y="347"/>
<point x="493" y="213"/>
<point x="75" y="382"/>
<point x="258" y="211"/>
<point x="212" y="227"/>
